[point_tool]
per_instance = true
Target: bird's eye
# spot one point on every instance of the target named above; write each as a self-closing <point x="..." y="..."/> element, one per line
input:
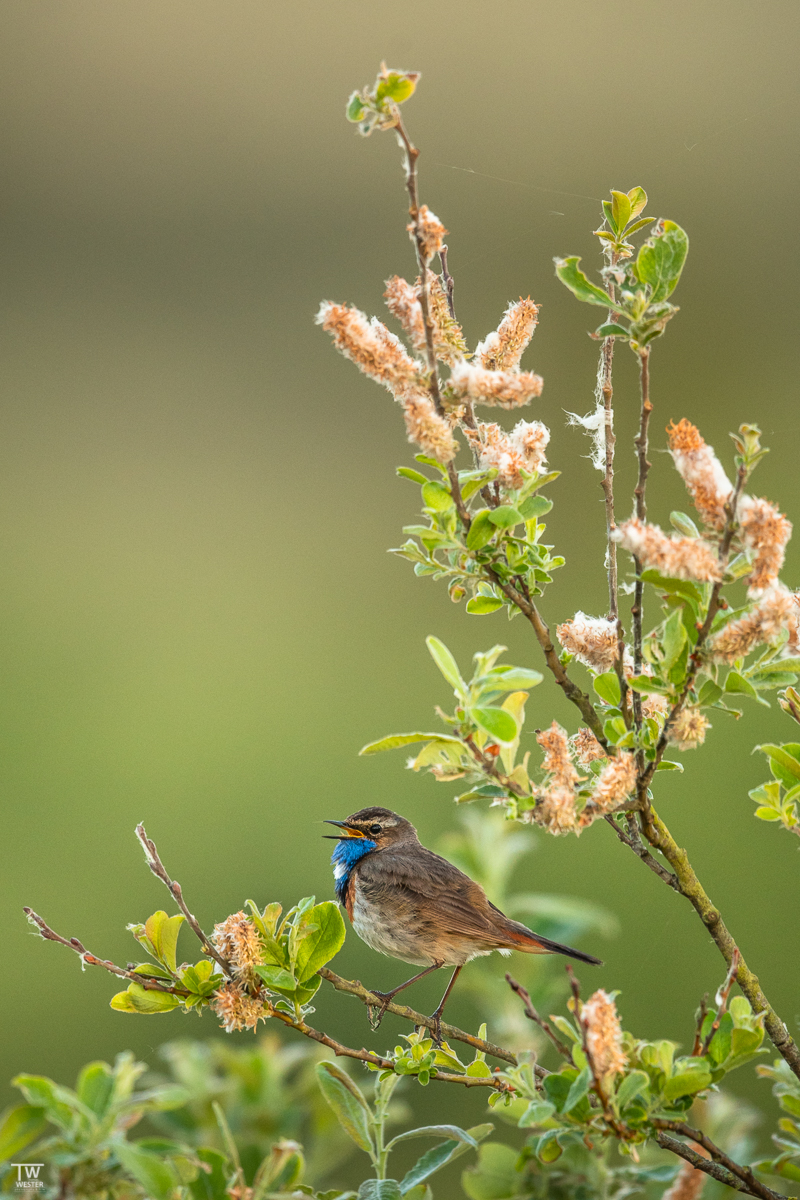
<point x="374" y="828"/>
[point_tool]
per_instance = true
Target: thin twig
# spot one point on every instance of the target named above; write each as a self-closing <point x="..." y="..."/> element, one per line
<point x="448" y="281"/>
<point x="533" y="1015"/>
<point x="606" y="390"/>
<point x="743" y="1178"/>
<point x="640" y="506"/>
<point x="635" y="843"/>
<point x="449" y="1032"/>
<point x="721" y="999"/>
<point x="157" y="867"/>
<point x="148" y="982"/>
<point x="570" y="689"/>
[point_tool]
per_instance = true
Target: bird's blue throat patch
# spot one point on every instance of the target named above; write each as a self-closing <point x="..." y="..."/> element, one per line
<point x="345" y="856"/>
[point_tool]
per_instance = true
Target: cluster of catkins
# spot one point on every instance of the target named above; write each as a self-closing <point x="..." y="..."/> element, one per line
<point x="240" y="1002"/>
<point x="491" y="376"/>
<point x="761" y="531"/>
<point x="558" y="800"/>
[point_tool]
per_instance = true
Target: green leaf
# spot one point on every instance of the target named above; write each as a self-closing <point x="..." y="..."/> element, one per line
<point x="684" y="524"/>
<point x="639" y="225"/>
<point x="481" y="531"/>
<point x="648" y="685"/>
<point x="572" y="276"/>
<point x="446" y="664"/>
<point x="213" y="1183"/>
<point x="163" y="934"/>
<point x="453" y="1132"/>
<point x="537" y="1112"/>
<point x="147" y="1001"/>
<point x="324" y="943"/>
<point x="276" y="977"/>
<point x="661" y="259"/>
<point x="155" y="1174"/>
<point x="60" y="1105"/>
<point x="638" y="199"/>
<point x="436" y="1158"/>
<point x="738" y="685"/>
<point x="397" y="86"/>
<point x="686" y="1083"/>
<point x="497" y="722"/>
<point x="355" y="108"/>
<point x="495" y="1176"/>
<point x="379" y="1189"/>
<point x="674" y="637"/>
<point x="95" y="1086"/>
<point x="515" y="679"/>
<point x="611" y="329"/>
<point x="607" y="688"/>
<point x="436" y="497"/>
<point x="620" y="209"/>
<point x="578" y="1090"/>
<point x="667" y="765"/>
<point x="784" y="760"/>
<point x="505" y="516"/>
<point x="347" y="1102"/>
<point x="535" y="506"/>
<point x="480" y="606"/>
<point x="19" y="1127"/>
<point x="414" y="476"/>
<point x="634" y="1084"/>
<point x="709" y="693"/>
<point x="396" y="740"/>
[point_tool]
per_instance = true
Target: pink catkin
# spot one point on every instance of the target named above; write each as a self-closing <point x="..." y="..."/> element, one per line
<point x="503" y="349"/>
<point x="431" y="231"/>
<point x="503" y="389"/>
<point x="678" y="558"/>
<point x="510" y="453"/>
<point x="402" y="300"/>
<point x="775" y="610"/>
<point x="593" y="640"/>
<point x="370" y="345"/>
<point x="765" y="532"/>
<point x="425" y="427"/>
<point x="701" y="471"/>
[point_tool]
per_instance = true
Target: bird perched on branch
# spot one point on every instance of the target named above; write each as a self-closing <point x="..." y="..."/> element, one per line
<point x="409" y="903"/>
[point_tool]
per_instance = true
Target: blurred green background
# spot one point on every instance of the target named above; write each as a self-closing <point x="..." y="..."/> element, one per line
<point x="200" y="623"/>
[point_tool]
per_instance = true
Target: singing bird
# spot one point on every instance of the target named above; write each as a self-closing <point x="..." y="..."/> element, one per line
<point x="409" y="903"/>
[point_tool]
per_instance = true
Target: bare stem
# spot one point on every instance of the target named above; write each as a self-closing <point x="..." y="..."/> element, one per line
<point x="448" y="281"/>
<point x="157" y="867"/>
<point x="662" y="840"/>
<point x="606" y="389"/>
<point x="739" y="1177"/>
<point x="450" y="1032"/>
<point x="570" y="689"/>
<point x="640" y="505"/>
<point x="149" y="983"/>
<point x="635" y="843"/>
<point x="532" y="1015"/>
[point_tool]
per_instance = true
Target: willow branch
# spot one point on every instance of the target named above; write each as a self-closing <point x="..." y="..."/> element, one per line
<point x="448" y="281"/>
<point x="662" y="840"/>
<point x="148" y="982"/>
<point x="533" y="1015"/>
<point x="450" y="1032"/>
<point x="570" y="689"/>
<point x="640" y="507"/>
<point x="741" y="1178"/>
<point x="606" y="393"/>
<point x="635" y="843"/>
<point x="157" y="867"/>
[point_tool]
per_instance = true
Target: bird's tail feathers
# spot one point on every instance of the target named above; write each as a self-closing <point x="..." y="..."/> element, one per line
<point x="536" y="944"/>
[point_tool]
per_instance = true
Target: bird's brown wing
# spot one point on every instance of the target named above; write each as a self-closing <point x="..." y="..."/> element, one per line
<point x="422" y="879"/>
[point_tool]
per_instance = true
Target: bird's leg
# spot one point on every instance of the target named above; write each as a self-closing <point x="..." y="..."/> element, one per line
<point x="436" y="1016"/>
<point x="386" y="997"/>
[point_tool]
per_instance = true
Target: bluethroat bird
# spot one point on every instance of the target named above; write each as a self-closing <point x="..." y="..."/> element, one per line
<point x="409" y="903"/>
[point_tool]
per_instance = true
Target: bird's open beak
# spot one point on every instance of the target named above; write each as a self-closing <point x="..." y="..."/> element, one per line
<point x="348" y="831"/>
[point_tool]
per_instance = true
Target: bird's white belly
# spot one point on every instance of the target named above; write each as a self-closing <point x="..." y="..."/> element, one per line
<point x="397" y="940"/>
